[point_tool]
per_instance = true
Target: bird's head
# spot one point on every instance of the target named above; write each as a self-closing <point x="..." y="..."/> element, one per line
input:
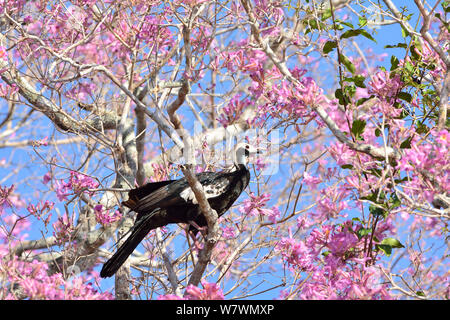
<point x="243" y="151"/>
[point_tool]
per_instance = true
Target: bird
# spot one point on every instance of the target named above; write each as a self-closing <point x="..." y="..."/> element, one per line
<point x="158" y="204"/>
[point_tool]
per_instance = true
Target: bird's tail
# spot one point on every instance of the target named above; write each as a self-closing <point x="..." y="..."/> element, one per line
<point x="140" y="230"/>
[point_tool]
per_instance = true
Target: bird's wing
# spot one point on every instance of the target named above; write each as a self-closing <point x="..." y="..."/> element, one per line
<point x="178" y="193"/>
<point x="213" y="186"/>
<point x="137" y="194"/>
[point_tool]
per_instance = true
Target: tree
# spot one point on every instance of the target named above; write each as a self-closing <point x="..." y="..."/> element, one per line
<point x="350" y="200"/>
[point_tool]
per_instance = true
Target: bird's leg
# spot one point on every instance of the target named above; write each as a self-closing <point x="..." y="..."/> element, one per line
<point x="193" y="234"/>
<point x="196" y="243"/>
<point x="201" y="229"/>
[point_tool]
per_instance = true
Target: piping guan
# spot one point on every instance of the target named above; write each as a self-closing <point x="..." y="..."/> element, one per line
<point x="160" y="203"/>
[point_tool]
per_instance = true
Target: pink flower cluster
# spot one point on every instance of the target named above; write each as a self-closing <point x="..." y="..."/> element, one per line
<point x="284" y="100"/>
<point x="7" y="90"/>
<point x="430" y="57"/>
<point x="161" y="172"/>
<point x="63" y="229"/>
<point x="427" y="166"/>
<point x="5" y="197"/>
<point x="253" y="206"/>
<point x="33" y="282"/>
<point x="3" y="54"/>
<point x="77" y="182"/>
<point x="333" y="264"/>
<point x="233" y="110"/>
<point x="41" y="210"/>
<point x="210" y="291"/>
<point x="31" y="279"/>
<point x="385" y="86"/>
<point x="82" y="91"/>
<point x="104" y="217"/>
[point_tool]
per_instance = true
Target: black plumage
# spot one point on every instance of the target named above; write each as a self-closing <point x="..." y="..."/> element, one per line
<point x="160" y="203"/>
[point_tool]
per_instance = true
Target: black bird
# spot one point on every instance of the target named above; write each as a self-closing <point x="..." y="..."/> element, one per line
<point x="160" y="203"/>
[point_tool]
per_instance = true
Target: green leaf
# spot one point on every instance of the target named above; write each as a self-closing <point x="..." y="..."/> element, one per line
<point x="345" y="23"/>
<point x="398" y="45"/>
<point x="372" y="197"/>
<point x="377" y="132"/>
<point x="329" y="46"/>
<point x="358" y="80"/>
<point x="405" y="96"/>
<point x="343" y="100"/>
<point x="420" y="293"/>
<point x="362" y="100"/>
<point x="367" y="35"/>
<point x="362" y="232"/>
<point x="377" y="211"/>
<point x="347" y="166"/>
<point x="406" y="144"/>
<point x="405" y="33"/>
<point x="394" y="243"/>
<point x="421" y="128"/>
<point x="394" y="201"/>
<point x="362" y="21"/>
<point x="387" y="249"/>
<point x="409" y="67"/>
<point x="376" y="172"/>
<point x="358" y="127"/>
<point x="414" y="54"/>
<point x="350" y="90"/>
<point x="398" y="181"/>
<point x="326" y="14"/>
<point x="350" y="33"/>
<point x="347" y="63"/>
<point x="394" y="62"/>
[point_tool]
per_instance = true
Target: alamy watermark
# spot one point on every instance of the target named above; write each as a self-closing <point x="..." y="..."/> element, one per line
<point x="218" y="150"/>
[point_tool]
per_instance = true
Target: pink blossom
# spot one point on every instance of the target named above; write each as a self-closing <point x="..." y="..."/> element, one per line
<point x="254" y="207"/>
<point x="104" y="217"/>
<point x="5" y="194"/>
<point x="62" y="189"/>
<point x="424" y="160"/>
<point x="36" y="284"/>
<point x="431" y="57"/>
<point x="342" y="154"/>
<point x="7" y="90"/>
<point x="3" y="53"/>
<point x="210" y="291"/>
<point x="63" y="229"/>
<point x="170" y="296"/>
<point x="160" y="172"/>
<point x="296" y="253"/>
<point x="47" y="177"/>
<point x="310" y="180"/>
<point x="233" y="110"/>
<point x="82" y="92"/>
<point x="77" y="182"/>
<point x="260" y="164"/>
<point x="41" y="210"/>
<point x="228" y="232"/>
<point x="41" y="142"/>
<point x="384" y="86"/>
<point x="340" y="242"/>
